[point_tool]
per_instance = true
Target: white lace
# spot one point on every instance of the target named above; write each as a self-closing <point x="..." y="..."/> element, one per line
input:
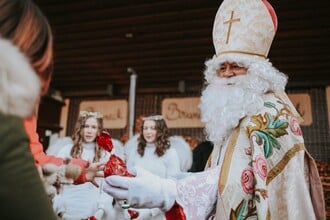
<point x="197" y="194"/>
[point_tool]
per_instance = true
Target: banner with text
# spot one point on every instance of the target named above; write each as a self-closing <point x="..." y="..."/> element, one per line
<point x="114" y="111"/>
<point x="182" y="112"/>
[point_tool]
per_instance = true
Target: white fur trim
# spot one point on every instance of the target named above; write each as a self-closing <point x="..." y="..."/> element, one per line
<point x="256" y="66"/>
<point x="19" y="84"/>
<point x="177" y="142"/>
<point x="130" y="146"/>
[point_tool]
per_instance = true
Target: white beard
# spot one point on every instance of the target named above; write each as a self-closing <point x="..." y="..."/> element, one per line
<point x="227" y="100"/>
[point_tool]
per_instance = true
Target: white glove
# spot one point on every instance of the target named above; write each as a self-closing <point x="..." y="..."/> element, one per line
<point x="145" y="190"/>
<point x="99" y="214"/>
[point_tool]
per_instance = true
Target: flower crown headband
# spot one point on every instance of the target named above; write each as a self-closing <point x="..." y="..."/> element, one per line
<point x="154" y="118"/>
<point x="84" y="114"/>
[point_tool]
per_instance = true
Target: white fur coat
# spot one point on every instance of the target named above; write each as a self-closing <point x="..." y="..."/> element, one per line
<point x="177" y="142"/>
<point x="19" y="84"/>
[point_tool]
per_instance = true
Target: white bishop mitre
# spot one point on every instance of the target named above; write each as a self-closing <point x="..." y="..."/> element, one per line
<point x="244" y="28"/>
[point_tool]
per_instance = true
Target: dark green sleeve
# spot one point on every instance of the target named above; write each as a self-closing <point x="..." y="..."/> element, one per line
<point x="22" y="195"/>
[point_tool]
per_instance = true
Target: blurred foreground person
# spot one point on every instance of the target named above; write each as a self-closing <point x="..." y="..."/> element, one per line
<point x="24" y="41"/>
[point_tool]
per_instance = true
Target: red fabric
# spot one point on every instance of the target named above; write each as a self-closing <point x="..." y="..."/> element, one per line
<point x="116" y="166"/>
<point x="133" y="213"/>
<point x="272" y="13"/>
<point x="175" y="213"/>
<point x="104" y="141"/>
<point x="83" y="164"/>
<point x="36" y="147"/>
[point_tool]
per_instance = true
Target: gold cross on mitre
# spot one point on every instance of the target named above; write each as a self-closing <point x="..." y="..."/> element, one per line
<point x="230" y="21"/>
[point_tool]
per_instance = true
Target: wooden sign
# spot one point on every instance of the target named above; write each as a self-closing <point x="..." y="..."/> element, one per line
<point x="114" y="111"/>
<point x="182" y="112"/>
<point x="302" y="102"/>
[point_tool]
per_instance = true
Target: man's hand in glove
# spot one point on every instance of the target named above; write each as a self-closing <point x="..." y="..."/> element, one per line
<point x="145" y="190"/>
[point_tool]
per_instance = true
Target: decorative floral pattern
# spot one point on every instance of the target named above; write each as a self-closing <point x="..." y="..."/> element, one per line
<point x="260" y="166"/>
<point x="238" y="213"/>
<point x="247" y="180"/>
<point x="295" y="127"/>
<point x="248" y="150"/>
<point x="268" y="128"/>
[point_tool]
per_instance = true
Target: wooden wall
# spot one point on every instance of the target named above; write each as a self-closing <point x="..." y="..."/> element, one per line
<point x="317" y="136"/>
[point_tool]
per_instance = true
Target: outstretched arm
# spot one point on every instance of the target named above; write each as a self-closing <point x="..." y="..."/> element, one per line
<point x="196" y="194"/>
<point x="88" y="171"/>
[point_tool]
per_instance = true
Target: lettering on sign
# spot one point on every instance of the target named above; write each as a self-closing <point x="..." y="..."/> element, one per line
<point x="182" y="112"/>
<point x="302" y="102"/>
<point x="114" y="112"/>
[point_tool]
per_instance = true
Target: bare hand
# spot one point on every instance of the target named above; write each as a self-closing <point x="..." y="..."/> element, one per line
<point x="94" y="170"/>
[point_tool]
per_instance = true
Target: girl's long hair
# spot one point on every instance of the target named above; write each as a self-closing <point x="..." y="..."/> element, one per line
<point x="77" y="137"/>
<point x="162" y="138"/>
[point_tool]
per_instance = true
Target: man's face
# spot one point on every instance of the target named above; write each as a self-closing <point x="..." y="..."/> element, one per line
<point x="228" y="70"/>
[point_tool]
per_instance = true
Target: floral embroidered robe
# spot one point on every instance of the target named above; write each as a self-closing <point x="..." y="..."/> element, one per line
<point x="262" y="172"/>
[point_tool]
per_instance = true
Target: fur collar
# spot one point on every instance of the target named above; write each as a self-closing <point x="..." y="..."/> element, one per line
<point x="19" y="84"/>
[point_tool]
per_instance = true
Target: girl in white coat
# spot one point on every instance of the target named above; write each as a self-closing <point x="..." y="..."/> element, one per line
<point x="155" y="154"/>
<point x="84" y="200"/>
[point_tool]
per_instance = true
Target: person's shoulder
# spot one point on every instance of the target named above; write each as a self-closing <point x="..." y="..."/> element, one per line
<point x="12" y="123"/>
<point x="171" y="151"/>
<point x="271" y="102"/>
<point x="272" y="106"/>
<point x="270" y="97"/>
<point x="182" y="150"/>
<point x="279" y="104"/>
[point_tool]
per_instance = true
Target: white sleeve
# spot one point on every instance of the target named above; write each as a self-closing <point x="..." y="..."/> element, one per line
<point x="197" y="194"/>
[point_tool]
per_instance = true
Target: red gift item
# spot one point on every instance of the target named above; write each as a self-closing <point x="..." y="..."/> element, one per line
<point x="175" y="213"/>
<point x="133" y="214"/>
<point x="116" y="166"/>
<point x="104" y="141"/>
